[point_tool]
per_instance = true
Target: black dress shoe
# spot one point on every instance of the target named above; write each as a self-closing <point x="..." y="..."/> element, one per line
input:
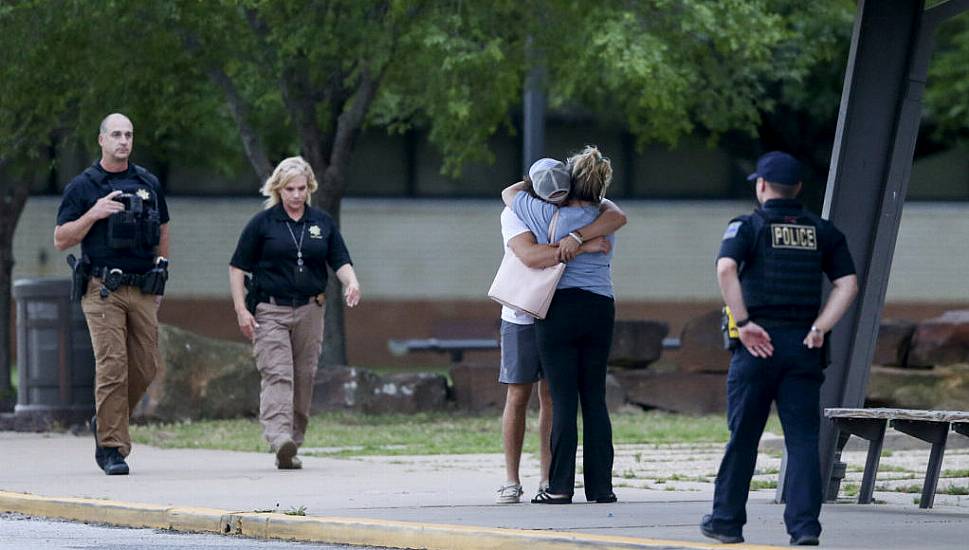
<point x="114" y="464"/>
<point x="706" y="527"/>
<point x="606" y="499"/>
<point x="804" y="540"/>
<point x="544" y="497"/>
<point x="99" y="454"/>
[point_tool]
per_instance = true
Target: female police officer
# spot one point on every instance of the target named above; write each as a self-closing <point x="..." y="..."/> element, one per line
<point x="287" y="248"/>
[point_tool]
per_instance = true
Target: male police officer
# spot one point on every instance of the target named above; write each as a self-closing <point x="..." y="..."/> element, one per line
<point x="770" y="270"/>
<point x="117" y="212"/>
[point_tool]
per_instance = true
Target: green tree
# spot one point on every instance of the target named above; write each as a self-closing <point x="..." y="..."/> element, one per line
<point x="323" y="71"/>
<point x="307" y="76"/>
<point x="30" y="117"/>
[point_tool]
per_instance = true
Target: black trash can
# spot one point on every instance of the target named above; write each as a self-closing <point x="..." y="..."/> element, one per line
<point x="54" y="355"/>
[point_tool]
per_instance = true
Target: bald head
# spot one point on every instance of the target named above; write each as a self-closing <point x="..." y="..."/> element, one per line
<point x="113" y="117"/>
<point x="116" y="137"/>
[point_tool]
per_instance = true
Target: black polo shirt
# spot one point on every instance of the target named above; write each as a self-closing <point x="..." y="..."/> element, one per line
<point x="268" y="249"/>
<point x="739" y="240"/>
<point x="81" y="194"/>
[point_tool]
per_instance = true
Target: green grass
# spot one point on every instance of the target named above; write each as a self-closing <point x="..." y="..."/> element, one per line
<point x="955" y="473"/>
<point x="14" y="378"/>
<point x="955" y="490"/>
<point x="349" y="434"/>
<point x="758" y="484"/>
<point x="850" y="489"/>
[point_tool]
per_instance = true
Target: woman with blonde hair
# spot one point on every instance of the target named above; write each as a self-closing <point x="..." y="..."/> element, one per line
<point x="286" y="248"/>
<point x="575" y="337"/>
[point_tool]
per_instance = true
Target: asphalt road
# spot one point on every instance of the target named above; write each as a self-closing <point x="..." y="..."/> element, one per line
<point x="20" y="532"/>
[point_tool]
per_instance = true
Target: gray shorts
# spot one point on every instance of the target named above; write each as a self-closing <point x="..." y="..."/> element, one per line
<point x="519" y="354"/>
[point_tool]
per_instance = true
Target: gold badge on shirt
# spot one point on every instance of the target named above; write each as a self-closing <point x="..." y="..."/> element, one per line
<point x="143" y="194"/>
<point x="315" y="232"/>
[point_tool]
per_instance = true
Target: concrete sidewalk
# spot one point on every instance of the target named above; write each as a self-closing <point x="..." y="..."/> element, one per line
<point x="438" y="502"/>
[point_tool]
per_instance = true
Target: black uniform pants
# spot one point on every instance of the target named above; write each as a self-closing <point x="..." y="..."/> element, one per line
<point x="574" y="341"/>
<point x="792" y="377"/>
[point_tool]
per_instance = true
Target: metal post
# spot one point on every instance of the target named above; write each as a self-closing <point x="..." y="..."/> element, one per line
<point x="870" y="167"/>
<point x="534" y="104"/>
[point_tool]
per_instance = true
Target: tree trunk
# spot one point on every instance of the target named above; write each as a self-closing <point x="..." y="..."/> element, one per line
<point x="12" y="200"/>
<point x="334" y="352"/>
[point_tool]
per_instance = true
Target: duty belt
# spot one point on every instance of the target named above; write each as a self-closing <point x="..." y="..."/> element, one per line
<point x="127" y="279"/>
<point x="293" y="301"/>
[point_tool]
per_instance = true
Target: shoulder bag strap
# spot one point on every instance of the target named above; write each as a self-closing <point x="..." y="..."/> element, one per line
<point x="552" y="224"/>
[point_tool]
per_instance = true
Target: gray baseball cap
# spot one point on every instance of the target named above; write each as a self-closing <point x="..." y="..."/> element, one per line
<point x="550" y="180"/>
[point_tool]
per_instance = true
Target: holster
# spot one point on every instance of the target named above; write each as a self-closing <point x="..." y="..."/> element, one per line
<point x="154" y="281"/>
<point x="252" y="294"/>
<point x="80" y="276"/>
<point x="729" y="330"/>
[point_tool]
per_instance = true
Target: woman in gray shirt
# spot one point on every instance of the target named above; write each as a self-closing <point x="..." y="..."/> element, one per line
<point x="575" y="337"/>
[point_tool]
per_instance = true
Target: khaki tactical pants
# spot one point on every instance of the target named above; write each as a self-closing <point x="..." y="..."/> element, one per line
<point x="287" y="349"/>
<point x="124" y="335"/>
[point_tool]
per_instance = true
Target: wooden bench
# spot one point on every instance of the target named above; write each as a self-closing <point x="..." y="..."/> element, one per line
<point x="929" y="426"/>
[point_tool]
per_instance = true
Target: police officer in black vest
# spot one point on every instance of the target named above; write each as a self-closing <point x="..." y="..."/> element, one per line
<point x="770" y="269"/>
<point x="117" y="212"/>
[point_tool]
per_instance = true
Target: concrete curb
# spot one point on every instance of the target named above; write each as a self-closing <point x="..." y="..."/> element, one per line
<point x="321" y="529"/>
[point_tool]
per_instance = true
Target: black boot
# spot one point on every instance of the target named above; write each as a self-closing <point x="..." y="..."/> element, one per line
<point x="98" y="449"/>
<point x="114" y="464"/>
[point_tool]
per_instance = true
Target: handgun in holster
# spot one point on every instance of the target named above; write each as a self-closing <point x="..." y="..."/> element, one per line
<point x="154" y="281"/>
<point x="252" y="294"/>
<point x="728" y="327"/>
<point x="80" y="275"/>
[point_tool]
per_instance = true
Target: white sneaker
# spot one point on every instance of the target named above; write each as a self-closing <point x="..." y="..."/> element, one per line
<point x="509" y="494"/>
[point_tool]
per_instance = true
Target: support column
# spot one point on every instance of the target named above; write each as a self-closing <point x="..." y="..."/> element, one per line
<point x="881" y="109"/>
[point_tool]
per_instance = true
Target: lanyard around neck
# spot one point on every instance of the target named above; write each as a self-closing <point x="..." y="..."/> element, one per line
<point x="299" y="243"/>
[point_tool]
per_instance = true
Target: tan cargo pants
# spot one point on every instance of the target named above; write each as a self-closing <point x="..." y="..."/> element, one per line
<point x="287" y="349"/>
<point x="124" y="335"/>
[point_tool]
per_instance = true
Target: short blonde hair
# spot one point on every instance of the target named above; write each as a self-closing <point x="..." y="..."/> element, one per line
<point x="287" y="170"/>
<point x="591" y="175"/>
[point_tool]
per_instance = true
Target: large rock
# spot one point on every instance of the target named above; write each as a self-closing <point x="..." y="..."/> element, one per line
<point x="343" y="388"/>
<point x="893" y="343"/>
<point x="200" y="378"/>
<point x="408" y="393"/>
<point x="615" y="393"/>
<point x="476" y="387"/>
<point x="941" y="341"/>
<point x="636" y="344"/>
<point x="682" y="392"/>
<point x="701" y="345"/>
<point x="944" y="388"/>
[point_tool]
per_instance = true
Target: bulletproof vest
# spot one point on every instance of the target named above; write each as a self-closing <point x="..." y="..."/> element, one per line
<point x="782" y="279"/>
<point x="139" y="224"/>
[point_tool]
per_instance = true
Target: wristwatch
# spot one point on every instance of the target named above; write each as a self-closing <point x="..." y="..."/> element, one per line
<point x="742" y="324"/>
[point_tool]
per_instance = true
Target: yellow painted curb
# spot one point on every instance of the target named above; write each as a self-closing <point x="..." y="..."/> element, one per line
<point x="331" y="530"/>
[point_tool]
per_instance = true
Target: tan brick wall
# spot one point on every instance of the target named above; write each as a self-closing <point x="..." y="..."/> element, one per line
<point x="449" y="249"/>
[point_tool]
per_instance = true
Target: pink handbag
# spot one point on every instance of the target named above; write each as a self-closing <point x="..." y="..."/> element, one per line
<point x="524" y="288"/>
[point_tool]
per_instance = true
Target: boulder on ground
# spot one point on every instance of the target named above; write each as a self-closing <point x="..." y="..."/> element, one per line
<point x="893" y="343"/>
<point x="343" y="388"/>
<point x="682" y="392"/>
<point x="701" y="345"/>
<point x="636" y="344"/>
<point x="476" y="386"/>
<point x="408" y="393"/>
<point x="941" y="341"/>
<point x="940" y="388"/>
<point x="199" y="378"/>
